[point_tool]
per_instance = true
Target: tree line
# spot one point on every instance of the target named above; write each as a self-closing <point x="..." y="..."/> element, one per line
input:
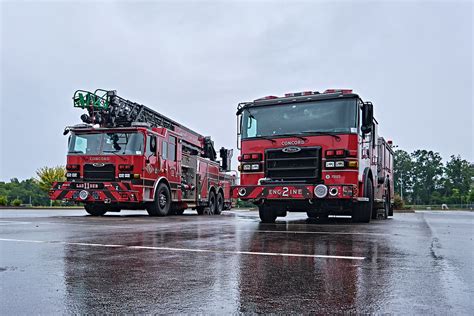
<point x="32" y="191"/>
<point x="421" y="178"/>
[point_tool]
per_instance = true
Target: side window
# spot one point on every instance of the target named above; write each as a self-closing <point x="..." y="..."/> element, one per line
<point x="149" y="144"/>
<point x="172" y="148"/>
<point x="164" y="151"/>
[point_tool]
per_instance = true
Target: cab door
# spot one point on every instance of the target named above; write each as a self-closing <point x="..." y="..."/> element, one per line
<point x="152" y="161"/>
<point x="172" y="161"/>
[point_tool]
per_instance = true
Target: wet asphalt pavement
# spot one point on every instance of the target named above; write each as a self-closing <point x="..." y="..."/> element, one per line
<point x="61" y="261"/>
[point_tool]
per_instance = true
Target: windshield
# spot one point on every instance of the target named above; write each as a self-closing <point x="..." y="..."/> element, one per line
<point x="107" y="143"/>
<point x="333" y="116"/>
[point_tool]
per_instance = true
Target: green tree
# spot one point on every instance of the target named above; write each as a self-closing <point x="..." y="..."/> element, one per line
<point x="427" y="175"/>
<point x="48" y="175"/>
<point x="3" y="200"/>
<point x="402" y="172"/>
<point x="459" y="173"/>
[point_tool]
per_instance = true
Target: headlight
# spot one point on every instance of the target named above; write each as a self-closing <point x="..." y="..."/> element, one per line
<point x="72" y="175"/>
<point x="83" y="195"/>
<point x="329" y="164"/>
<point x="255" y="166"/>
<point x="247" y="167"/>
<point x="339" y="164"/>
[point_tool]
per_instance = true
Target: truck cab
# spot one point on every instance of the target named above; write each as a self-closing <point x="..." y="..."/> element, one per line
<point x="313" y="152"/>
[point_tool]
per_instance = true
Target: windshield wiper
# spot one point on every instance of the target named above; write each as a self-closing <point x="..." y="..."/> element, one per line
<point x="294" y="135"/>
<point x="267" y="138"/>
<point x="322" y="133"/>
<point x="114" y="152"/>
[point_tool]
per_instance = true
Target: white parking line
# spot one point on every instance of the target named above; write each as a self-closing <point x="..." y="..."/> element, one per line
<point x="187" y="249"/>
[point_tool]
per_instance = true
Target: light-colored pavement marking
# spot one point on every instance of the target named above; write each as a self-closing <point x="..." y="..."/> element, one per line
<point x="186" y="249"/>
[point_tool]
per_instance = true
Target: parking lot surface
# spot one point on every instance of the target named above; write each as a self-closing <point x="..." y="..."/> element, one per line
<point x="62" y="261"/>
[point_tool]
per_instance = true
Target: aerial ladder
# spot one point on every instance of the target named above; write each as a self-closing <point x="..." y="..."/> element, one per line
<point x="106" y="109"/>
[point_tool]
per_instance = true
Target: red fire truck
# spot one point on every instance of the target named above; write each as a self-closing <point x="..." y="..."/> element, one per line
<point x="127" y="156"/>
<point x="314" y="152"/>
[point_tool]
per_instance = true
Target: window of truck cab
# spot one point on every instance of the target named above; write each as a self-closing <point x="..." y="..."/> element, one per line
<point x="338" y="115"/>
<point x="107" y="143"/>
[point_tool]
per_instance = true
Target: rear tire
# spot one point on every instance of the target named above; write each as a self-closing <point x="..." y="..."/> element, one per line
<point x="219" y="204"/>
<point x="162" y="203"/>
<point x="95" y="210"/>
<point x="362" y="211"/>
<point x="211" y="208"/>
<point x="386" y="205"/>
<point x="266" y="214"/>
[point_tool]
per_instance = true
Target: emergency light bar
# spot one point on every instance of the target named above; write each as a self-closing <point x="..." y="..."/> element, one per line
<point x="343" y="91"/>
<point x="299" y="94"/>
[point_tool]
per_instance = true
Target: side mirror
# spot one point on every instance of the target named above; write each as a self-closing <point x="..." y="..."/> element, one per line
<point x="367" y="117"/>
<point x="239" y="129"/>
<point x="153" y="145"/>
<point x="226" y="155"/>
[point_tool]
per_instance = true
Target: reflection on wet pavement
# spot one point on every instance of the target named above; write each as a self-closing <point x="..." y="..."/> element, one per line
<point x="70" y="263"/>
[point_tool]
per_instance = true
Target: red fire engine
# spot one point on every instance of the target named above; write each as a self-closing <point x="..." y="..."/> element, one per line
<point x="127" y="156"/>
<point x="314" y="152"/>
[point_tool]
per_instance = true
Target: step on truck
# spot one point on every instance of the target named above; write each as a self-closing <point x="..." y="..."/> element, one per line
<point x="314" y="152"/>
<point x="127" y="156"/>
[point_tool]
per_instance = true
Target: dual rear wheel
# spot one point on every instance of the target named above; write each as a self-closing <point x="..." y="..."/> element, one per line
<point x="215" y="205"/>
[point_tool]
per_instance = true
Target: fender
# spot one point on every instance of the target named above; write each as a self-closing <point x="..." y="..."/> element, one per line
<point x="158" y="181"/>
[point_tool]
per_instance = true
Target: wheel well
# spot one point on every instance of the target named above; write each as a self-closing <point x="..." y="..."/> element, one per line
<point x="212" y="189"/>
<point x="163" y="180"/>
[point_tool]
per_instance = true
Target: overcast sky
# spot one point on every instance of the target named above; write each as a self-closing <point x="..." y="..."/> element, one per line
<point x="195" y="61"/>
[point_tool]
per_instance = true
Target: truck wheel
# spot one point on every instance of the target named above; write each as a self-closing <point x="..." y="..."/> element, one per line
<point x="362" y="211"/>
<point x="266" y="214"/>
<point x="95" y="210"/>
<point x="162" y="203"/>
<point x="390" y="206"/>
<point x="386" y="205"/>
<point x="219" y="204"/>
<point x="211" y="208"/>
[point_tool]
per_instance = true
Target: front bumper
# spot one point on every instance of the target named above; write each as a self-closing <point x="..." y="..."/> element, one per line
<point x="293" y="192"/>
<point x="105" y="192"/>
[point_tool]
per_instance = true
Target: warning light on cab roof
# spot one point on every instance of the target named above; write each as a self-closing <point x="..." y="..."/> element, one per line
<point x="343" y="91"/>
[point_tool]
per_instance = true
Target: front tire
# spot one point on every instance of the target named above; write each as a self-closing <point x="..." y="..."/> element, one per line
<point x="162" y="203"/>
<point x="95" y="210"/>
<point x="266" y="214"/>
<point x="362" y="211"/>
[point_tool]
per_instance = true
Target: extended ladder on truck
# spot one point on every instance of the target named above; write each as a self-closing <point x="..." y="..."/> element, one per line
<point x="109" y="110"/>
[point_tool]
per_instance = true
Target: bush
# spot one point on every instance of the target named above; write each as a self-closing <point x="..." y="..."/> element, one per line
<point x="3" y="200"/>
<point x="398" y="203"/>
<point x="16" y="202"/>
<point x="244" y="204"/>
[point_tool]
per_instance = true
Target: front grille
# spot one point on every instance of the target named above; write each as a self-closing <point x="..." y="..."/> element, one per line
<point x="99" y="172"/>
<point x="302" y="165"/>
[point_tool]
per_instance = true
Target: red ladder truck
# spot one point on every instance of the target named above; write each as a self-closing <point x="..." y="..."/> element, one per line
<point x="314" y="152"/>
<point x="128" y="156"/>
